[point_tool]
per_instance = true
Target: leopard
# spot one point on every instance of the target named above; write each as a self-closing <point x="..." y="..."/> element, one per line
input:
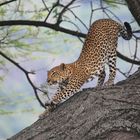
<point x="99" y="49"/>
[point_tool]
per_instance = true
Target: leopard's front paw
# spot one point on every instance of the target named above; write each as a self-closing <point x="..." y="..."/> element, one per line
<point x="108" y="84"/>
<point x="49" y="108"/>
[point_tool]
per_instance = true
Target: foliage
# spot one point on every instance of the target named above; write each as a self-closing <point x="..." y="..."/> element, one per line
<point x="114" y="3"/>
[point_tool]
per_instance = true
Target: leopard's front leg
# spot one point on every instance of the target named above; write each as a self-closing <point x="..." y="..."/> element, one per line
<point x="71" y="88"/>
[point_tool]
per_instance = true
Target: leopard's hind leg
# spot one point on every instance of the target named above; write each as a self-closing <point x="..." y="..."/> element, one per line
<point x="101" y="77"/>
<point x="112" y="68"/>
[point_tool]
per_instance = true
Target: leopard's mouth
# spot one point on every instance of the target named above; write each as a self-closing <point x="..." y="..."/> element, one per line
<point x="52" y="82"/>
<point x="59" y="82"/>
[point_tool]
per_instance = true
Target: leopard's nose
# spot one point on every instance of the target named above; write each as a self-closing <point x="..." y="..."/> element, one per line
<point x="48" y="81"/>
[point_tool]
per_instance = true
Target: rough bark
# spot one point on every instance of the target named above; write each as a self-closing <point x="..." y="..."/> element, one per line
<point x="93" y="114"/>
<point x="134" y="7"/>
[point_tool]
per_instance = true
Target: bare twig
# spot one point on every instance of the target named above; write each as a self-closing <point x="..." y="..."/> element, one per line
<point x="78" y="29"/>
<point x="135" y="56"/>
<point x="55" y="5"/>
<point x="91" y="14"/>
<point x="81" y="40"/>
<point x="45" y="6"/>
<point x="123" y="73"/>
<point x="27" y="76"/>
<point x="136" y="31"/>
<point x="103" y="9"/>
<point x="59" y="19"/>
<point x="7" y="2"/>
<point x="113" y="14"/>
<point x="136" y="50"/>
<point x="4" y="37"/>
<point x="127" y="59"/>
<point x="76" y="17"/>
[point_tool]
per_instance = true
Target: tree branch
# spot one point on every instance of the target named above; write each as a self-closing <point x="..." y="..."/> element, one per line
<point x="127" y="59"/>
<point x="58" y="28"/>
<point x="27" y="76"/>
<point x="45" y="5"/>
<point x="76" y="16"/>
<point x="41" y="24"/>
<point x="4" y="3"/>
<point x="55" y="5"/>
<point x="134" y="7"/>
<point x="63" y="11"/>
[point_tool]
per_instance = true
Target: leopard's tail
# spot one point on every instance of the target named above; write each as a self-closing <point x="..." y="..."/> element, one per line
<point x="126" y="31"/>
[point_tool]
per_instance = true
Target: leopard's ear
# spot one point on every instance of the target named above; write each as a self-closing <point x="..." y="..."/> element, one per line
<point x="62" y="66"/>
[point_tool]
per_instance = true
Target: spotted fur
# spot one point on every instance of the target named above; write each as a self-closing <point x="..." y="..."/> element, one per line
<point x="99" y="47"/>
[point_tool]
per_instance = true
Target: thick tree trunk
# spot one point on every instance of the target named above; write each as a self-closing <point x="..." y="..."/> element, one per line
<point x="134" y="7"/>
<point x="93" y="114"/>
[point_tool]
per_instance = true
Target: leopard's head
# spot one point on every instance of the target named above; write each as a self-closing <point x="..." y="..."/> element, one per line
<point x="58" y="74"/>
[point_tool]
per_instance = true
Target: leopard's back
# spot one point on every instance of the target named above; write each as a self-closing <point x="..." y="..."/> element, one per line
<point x="101" y="38"/>
<point x="100" y="44"/>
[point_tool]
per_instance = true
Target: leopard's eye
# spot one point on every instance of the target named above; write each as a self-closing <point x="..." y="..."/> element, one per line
<point x="55" y="74"/>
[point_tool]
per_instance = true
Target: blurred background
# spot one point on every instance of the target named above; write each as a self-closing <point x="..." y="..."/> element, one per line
<point x="38" y="49"/>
